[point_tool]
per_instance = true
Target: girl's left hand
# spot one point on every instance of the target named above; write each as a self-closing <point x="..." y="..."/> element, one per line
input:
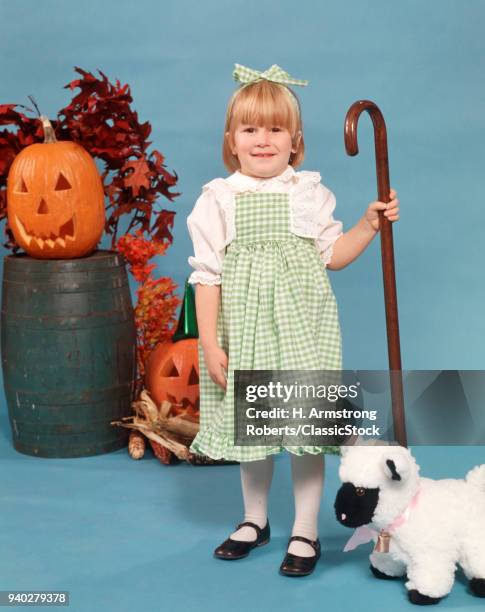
<point x="391" y="211"/>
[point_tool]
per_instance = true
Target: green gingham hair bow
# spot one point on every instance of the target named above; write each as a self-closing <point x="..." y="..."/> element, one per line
<point x="275" y="74"/>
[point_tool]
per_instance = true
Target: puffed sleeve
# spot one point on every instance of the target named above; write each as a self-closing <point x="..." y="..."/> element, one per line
<point x="328" y="229"/>
<point x="207" y="230"/>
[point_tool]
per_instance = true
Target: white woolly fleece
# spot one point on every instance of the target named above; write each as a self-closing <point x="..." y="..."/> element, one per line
<point x="445" y="528"/>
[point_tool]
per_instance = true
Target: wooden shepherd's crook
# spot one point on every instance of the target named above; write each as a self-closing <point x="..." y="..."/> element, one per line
<point x="387" y="251"/>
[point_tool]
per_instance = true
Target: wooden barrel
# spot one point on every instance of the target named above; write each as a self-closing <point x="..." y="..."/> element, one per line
<point x="68" y="353"/>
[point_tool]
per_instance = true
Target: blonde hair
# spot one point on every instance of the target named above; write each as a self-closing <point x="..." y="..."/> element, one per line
<point x="263" y="103"/>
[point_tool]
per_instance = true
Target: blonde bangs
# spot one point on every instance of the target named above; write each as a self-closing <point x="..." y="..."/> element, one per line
<point x="266" y="104"/>
<point x="263" y="103"/>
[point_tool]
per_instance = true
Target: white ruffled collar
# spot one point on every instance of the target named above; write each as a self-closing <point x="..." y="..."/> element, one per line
<point x="243" y="182"/>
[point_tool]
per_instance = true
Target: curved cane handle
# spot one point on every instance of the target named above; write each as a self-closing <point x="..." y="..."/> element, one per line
<point x="380" y="139"/>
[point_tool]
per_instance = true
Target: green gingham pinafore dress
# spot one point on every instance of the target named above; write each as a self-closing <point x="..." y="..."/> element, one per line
<point x="278" y="312"/>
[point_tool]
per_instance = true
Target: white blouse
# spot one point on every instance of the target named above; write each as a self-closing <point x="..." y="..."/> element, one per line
<point x="212" y="228"/>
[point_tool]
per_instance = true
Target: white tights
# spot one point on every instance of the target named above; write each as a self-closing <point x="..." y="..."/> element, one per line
<point x="308" y="473"/>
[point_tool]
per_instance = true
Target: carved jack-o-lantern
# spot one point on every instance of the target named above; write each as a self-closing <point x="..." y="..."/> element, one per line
<point x="172" y="374"/>
<point x="55" y="199"/>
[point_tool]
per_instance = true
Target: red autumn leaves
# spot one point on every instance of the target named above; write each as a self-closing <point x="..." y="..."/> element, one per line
<point x="100" y="119"/>
<point x="156" y="303"/>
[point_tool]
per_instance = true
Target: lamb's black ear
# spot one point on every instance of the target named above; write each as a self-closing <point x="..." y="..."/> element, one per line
<point x="392" y="468"/>
<point x="397" y="464"/>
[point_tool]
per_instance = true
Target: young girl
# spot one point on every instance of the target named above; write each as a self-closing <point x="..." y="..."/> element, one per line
<point x="263" y="238"/>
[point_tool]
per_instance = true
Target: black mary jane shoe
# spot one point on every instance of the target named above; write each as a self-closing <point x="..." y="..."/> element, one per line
<point x="294" y="565"/>
<point x="231" y="550"/>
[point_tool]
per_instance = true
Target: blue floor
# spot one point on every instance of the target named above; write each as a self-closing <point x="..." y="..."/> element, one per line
<point x="132" y="536"/>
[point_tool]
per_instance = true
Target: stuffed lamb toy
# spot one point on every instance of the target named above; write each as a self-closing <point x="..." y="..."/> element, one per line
<point x="423" y="527"/>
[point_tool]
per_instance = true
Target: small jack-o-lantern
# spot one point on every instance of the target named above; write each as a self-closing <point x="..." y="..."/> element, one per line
<point x="55" y="199"/>
<point x="172" y="374"/>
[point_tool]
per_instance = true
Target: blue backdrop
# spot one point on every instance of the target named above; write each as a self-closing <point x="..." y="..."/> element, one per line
<point x="123" y="535"/>
<point x="420" y="61"/>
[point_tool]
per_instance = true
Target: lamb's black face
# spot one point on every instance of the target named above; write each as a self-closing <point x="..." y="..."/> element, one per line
<point x="355" y="506"/>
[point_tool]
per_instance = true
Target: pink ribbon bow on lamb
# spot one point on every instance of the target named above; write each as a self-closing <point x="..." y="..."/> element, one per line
<point x="361" y="535"/>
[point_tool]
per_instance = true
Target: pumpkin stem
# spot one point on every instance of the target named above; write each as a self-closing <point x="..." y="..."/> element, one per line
<point x="49" y="135"/>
